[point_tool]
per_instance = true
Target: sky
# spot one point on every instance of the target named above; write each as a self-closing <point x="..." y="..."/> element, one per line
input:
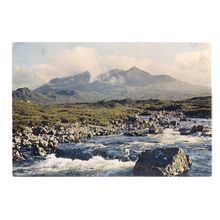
<point x="35" y="64"/>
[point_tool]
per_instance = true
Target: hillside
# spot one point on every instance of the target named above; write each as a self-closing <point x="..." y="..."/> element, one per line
<point x="103" y="112"/>
<point x="133" y="83"/>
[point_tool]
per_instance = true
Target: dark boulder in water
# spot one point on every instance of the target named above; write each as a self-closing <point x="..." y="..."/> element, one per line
<point x="198" y="128"/>
<point x="73" y="154"/>
<point x="185" y="131"/>
<point x="111" y="155"/>
<point x="194" y="130"/>
<point x="162" y="162"/>
<point x="173" y="123"/>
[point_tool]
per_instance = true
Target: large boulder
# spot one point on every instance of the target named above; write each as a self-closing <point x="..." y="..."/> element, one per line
<point x="73" y="154"/>
<point x="185" y="131"/>
<point x="197" y="128"/>
<point x="162" y="162"/>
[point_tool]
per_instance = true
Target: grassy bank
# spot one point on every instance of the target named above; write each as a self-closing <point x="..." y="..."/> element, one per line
<point x="102" y="113"/>
<point x="27" y="113"/>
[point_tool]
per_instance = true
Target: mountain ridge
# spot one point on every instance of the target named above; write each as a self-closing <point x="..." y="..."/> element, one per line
<point x="133" y="83"/>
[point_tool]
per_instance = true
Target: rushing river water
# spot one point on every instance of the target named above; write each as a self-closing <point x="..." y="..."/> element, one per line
<point x="115" y="155"/>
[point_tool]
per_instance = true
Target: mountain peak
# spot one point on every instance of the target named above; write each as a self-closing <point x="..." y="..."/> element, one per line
<point x="25" y="94"/>
<point x="133" y="83"/>
<point x="134" y="68"/>
<point x="22" y="92"/>
<point x="23" y="89"/>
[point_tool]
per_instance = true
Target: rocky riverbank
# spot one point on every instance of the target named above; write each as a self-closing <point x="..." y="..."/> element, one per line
<point x="39" y="141"/>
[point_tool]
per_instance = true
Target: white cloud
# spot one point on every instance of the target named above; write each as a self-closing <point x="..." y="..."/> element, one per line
<point x="192" y="66"/>
<point x="79" y="59"/>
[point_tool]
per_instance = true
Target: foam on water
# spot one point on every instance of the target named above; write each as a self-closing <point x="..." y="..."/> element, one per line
<point x="96" y="166"/>
<point x="91" y="145"/>
<point x="171" y="136"/>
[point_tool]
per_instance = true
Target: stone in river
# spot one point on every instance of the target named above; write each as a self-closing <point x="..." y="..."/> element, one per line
<point x="136" y="133"/>
<point x="155" y="130"/>
<point x="173" y="123"/>
<point x="193" y="130"/>
<point x="42" y="152"/>
<point x="162" y="162"/>
<point x="185" y="131"/>
<point x="197" y="128"/>
<point x="73" y="154"/>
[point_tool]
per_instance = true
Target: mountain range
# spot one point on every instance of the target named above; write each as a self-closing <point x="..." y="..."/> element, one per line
<point x="133" y="83"/>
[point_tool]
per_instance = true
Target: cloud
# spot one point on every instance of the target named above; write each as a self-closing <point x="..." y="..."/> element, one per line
<point x="194" y="66"/>
<point x="191" y="66"/>
<point x="79" y="59"/>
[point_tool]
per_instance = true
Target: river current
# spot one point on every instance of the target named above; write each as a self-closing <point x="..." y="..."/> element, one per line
<point x="115" y="155"/>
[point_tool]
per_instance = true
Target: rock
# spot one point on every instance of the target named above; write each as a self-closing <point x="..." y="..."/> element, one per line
<point x="151" y="119"/>
<point x="64" y="120"/>
<point x="136" y="133"/>
<point x="42" y="152"/>
<point x="155" y="130"/>
<point x="184" y="118"/>
<point x="103" y="152"/>
<point x="132" y="118"/>
<point x="52" y="132"/>
<point x="201" y="113"/>
<point x="73" y="154"/>
<point x="39" y="130"/>
<point x="162" y="162"/>
<point x="35" y="144"/>
<point x="71" y="138"/>
<point x="207" y="132"/>
<point x="163" y="123"/>
<point x="17" y="140"/>
<point x="17" y="156"/>
<point x="145" y="113"/>
<point x="90" y="134"/>
<point x="53" y="144"/>
<point x="26" y="130"/>
<point x="43" y="143"/>
<point x="26" y="142"/>
<point x="173" y="123"/>
<point x="189" y="160"/>
<point x="52" y="138"/>
<point x="185" y="131"/>
<point x="197" y="128"/>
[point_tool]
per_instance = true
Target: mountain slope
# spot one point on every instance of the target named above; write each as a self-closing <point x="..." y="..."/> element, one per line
<point x="25" y="94"/>
<point x="133" y="83"/>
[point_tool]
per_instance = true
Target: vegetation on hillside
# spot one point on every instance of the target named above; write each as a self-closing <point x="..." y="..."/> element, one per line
<point x="102" y="113"/>
<point x="31" y="114"/>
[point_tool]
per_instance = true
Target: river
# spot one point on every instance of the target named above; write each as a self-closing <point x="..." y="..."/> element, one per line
<point x="115" y="155"/>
